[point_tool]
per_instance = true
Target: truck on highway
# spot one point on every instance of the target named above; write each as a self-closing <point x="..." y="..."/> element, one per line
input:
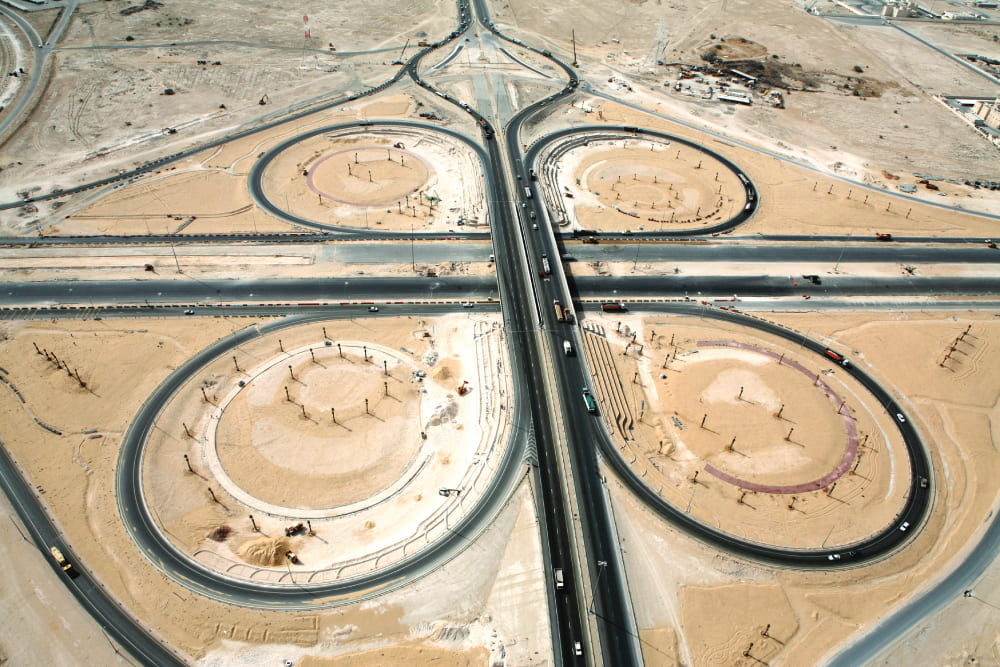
<point x="589" y="400"/>
<point x="557" y="574"/>
<point x="883" y="237"/>
<point x="546" y="267"/>
<point x="527" y="192"/>
<point x="568" y="348"/>
<point x="60" y="559"/>
<point x="560" y="313"/>
<point x="613" y="307"/>
<point x="839" y="358"/>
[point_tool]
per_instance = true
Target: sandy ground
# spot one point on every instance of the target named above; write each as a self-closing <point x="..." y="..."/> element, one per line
<point x="389" y="179"/>
<point x="810" y="614"/>
<point x="639" y="184"/>
<point x="371" y="474"/>
<point x="747" y="433"/>
<point x="75" y="473"/>
<point x="106" y="108"/>
<point x="45" y="624"/>
<point x="207" y="193"/>
<point x="903" y="129"/>
<point x="219" y="261"/>
<point x="797" y="200"/>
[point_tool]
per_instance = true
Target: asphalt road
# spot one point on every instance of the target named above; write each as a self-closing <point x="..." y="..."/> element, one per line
<point x="585" y="132"/>
<point x="309" y="291"/>
<point x="915" y="509"/>
<point x="118" y="624"/>
<point x="139" y="521"/>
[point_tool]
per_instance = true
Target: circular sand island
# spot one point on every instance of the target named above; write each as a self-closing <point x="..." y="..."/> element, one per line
<point x="381" y="177"/>
<point x="747" y="433"/>
<point x="308" y="455"/>
<point x="649" y="184"/>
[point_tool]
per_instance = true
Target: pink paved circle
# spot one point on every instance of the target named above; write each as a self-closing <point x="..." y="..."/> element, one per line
<point x="312" y="185"/>
<point x="852" y="431"/>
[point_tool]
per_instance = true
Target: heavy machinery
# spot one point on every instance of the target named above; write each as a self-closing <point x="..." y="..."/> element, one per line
<point x="463" y="388"/>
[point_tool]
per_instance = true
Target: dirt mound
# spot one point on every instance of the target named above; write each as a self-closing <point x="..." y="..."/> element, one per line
<point x="444" y="412"/>
<point x="265" y="551"/>
<point x="219" y="533"/>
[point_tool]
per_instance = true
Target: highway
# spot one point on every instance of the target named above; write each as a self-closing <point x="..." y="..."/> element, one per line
<point x="565" y="449"/>
<point x="307" y="291"/>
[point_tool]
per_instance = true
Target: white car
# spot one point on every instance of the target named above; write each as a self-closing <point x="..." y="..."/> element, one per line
<point x="900" y="418"/>
<point x="467" y="304"/>
<point x="372" y="309"/>
<point x="906" y="524"/>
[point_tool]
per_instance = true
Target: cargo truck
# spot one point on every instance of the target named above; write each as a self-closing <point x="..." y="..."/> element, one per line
<point x="613" y="307"/>
<point x="839" y="358"/>
<point x="527" y="192"/>
<point x="568" y="348"/>
<point x="560" y="313"/>
<point x="589" y="400"/>
<point x="63" y="563"/>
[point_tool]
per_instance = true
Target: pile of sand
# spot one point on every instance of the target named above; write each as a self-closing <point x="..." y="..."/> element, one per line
<point x="264" y="551"/>
<point x="444" y="412"/>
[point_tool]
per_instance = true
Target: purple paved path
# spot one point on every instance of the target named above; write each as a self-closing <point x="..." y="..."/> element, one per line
<point x="826" y="480"/>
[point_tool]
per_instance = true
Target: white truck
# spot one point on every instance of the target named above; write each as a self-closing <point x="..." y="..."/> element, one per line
<point x="568" y="348"/>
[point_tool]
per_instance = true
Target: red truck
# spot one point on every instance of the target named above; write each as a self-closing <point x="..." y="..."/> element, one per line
<point x="613" y="307"/>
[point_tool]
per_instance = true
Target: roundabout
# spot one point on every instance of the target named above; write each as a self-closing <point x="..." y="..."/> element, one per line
<point x="634" y="181"/>
<point x="778" y="452"/>
<point x="374" y="177"/>
<point x="277" y="488"/>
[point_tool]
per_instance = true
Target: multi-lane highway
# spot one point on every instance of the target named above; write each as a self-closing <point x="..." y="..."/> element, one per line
<point x="565" y="444"/>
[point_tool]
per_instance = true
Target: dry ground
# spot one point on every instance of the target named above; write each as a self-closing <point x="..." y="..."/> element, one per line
<point x="717" y="605"/>
<point x="696" y="407"/>
<point x="903" y="129"/>
<point x="122" y="361"/>
<point x="798" y="200"/>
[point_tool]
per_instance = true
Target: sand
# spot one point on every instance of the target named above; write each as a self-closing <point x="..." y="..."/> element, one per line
<point x="813" y="613"/>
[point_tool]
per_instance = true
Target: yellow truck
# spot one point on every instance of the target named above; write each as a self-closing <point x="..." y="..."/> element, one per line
<point x="63" y="563"/>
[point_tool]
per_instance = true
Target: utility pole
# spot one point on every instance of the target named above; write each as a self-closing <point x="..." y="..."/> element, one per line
<point x="575" y="63"/>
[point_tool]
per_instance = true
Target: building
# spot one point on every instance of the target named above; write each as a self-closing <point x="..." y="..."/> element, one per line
<point x="989" y="112"/>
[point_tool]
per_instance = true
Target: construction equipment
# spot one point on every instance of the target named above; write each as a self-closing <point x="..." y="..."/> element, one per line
<point x="883" y="237"/>
<point x="290" y="555"/>
<point x="264" y="100"/>
<point x="63" y="563"/>
<point x="399" y="60"/>
<point x="464" y="388"/>
<point x="292" y="531"/>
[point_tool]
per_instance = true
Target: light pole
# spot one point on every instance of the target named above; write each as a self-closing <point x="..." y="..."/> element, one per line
<point x="601" y="564"/>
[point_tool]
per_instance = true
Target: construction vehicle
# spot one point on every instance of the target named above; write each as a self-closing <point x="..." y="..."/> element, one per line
<point x="560" y="313"/>
<point x="264" y="100"/>
<point x="423" y="42"/>
<point x="292" y="531"/>
<point x="463" y="388"/>
<point x="883" y="237"/>
<point x="290" y="555"/>
<point x="589" y="400"/>
<point x="399" y="60"/>
<point x="60" y="559"/>
<point x="613" y="307"/>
